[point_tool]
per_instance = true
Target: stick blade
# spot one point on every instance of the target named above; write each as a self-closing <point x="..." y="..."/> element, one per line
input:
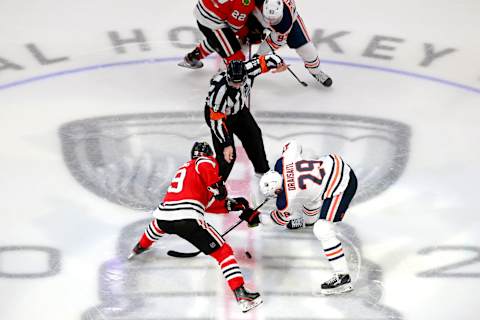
<point x="177" y="254"/>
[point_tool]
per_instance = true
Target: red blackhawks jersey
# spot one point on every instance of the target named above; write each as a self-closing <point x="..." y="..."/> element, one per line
<point x="218" y="14"/>
<point x="188" y="196"/>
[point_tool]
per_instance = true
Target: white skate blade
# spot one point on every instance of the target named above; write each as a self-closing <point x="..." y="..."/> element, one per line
<point x="249" y="305"/>
<point x="133" y="254"/>
<point x="188" y="66"/>
<point x="339" y="290"/>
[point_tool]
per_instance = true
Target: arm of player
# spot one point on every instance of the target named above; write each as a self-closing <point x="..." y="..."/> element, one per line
<point x="283" y="219"/>
<point x="227" y="205"/>
<point x="275" y="217"/>
<point x="273" y="41"/>
<point x="207" y="168"/>
<point x="286" y="213"/>
<point x="280" y="31"/>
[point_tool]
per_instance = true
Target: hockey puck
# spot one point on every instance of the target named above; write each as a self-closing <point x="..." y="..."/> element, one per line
<point x="249" y="256"/>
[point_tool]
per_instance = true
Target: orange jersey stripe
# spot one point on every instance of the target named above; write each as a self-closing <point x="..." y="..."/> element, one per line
<point x="334" y="207"/>
<point x="336" y="173"/>
<point x="302" y="25"/>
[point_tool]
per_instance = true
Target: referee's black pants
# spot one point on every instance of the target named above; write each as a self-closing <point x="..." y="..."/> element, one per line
<point x="244" y="126"/>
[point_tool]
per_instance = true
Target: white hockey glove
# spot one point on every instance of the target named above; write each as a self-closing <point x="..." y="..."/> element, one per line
<point x="296" y="223"/>
<point x="273" y="61"/>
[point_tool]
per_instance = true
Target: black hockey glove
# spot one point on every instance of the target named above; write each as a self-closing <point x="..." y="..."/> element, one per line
<point x="218" y="190"/>
<point x="251" y="216"/>
<point x="236" y="204"/>
<point x="256" y="30"/>
<point x="273" y="61"/>
<point x="254" y="36"/>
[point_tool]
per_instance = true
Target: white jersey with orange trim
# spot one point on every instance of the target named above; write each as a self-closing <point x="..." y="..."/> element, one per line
<point x="279" y="31"/>
<point x="308" y="182"/>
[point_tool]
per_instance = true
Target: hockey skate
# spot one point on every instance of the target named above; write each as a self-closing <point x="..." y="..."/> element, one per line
<point x="192" y="60"/>
<point x="323" y="78"/>
<point x="247" y="300"/>
<point x="136" y="251"/>
<point x="339" y="283"/>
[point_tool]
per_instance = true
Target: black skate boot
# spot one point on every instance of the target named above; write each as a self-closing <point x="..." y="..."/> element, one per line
<point x="247" y="300"/>
<point x="339" y="283"/>
<point x="323" y="78"/>
<point x="136" y="251"/>
<point x="192" y="60"/>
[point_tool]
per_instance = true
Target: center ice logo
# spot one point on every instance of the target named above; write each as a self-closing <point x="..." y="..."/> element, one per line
<point x="130" y="159"/>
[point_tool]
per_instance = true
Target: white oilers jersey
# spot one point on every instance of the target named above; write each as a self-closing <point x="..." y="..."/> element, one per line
<point x="308" y="182"/>
<point x="278" y="32"/>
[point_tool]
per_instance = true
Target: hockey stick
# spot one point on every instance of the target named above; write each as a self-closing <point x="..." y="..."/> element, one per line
<point x="177" y="254"/>
<point x="249" y="58"/>
<point x="303" y="83"/>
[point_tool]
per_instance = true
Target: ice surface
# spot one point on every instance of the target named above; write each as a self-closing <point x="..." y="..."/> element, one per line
<point x="95" y="117"/>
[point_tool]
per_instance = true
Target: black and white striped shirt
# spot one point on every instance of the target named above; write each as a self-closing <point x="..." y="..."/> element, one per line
<point x="224" y="100"/>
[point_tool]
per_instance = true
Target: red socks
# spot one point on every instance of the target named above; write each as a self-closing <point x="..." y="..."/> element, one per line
<point x="229" y="266"/>
<point x="152" y="233"/>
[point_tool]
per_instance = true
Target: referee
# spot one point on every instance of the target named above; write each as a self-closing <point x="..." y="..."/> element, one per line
<point x="227" y="114"/>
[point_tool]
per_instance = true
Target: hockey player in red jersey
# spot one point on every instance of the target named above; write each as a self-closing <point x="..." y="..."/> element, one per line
<point x="287" y="28"/>
<point x="196" y="189"/>
<point x="221" y="22"/>
<point x="313" y="192"/>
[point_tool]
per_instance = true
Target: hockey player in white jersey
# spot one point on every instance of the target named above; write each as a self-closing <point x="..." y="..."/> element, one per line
<point x="287" y="28"/>
<point x="313" y="193"/>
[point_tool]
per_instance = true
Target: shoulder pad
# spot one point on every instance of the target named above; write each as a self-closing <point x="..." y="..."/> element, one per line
<point x="210" y="160"/>
<point x="279" y="165"/>
<point x="286" y="23"/>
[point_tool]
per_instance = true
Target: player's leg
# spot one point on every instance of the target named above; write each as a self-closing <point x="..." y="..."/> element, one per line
<point x="203" y="236"/>
<point x="202" y="50"/>
<point x="223" y="41"/>
<point x="332" y="211"/>
<point x="224" y="167"/>
<point x="151" y="234"/>
<point x="250" y="134"/>
<point x="299" y="40"/>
